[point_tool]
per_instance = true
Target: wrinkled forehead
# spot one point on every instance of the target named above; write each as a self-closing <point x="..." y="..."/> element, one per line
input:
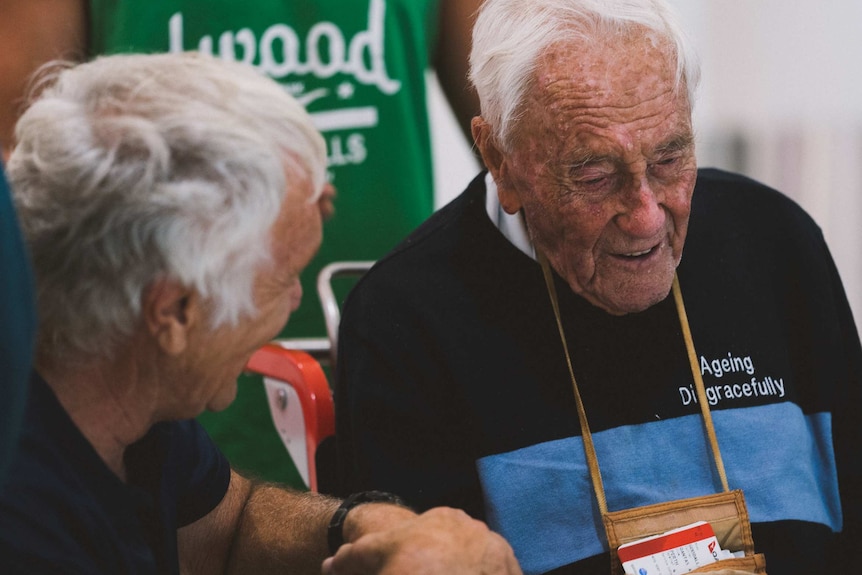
<point x="621" y="70"/>
<point x="620" y="83"/>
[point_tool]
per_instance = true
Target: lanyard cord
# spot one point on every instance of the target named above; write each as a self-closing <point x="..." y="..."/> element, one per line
<point x="698" y="383"/>
<point x="589" y="447"/>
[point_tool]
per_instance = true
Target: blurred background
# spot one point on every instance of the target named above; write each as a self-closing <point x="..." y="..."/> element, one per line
<point x="780" y="100"/>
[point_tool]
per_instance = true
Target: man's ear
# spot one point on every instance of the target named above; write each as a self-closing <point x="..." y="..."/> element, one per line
<point x="170" y="311"/>
<point x="496" y="162"/>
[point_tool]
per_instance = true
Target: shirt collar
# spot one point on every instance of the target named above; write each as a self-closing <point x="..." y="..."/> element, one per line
<point x="512" y="226"/>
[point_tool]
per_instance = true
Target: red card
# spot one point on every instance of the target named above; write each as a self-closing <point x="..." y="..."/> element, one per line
<point x="672" y="539"/>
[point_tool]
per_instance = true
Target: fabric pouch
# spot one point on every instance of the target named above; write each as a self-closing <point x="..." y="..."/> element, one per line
<point x="725" y="512"/>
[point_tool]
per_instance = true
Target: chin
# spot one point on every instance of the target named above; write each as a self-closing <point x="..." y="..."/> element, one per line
<point x="223" y="400"/>
<point x="635" y="299"/>
<point x="216" y="406"/>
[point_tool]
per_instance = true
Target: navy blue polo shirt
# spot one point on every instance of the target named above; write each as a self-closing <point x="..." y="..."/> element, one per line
<point x="64" y="511"/>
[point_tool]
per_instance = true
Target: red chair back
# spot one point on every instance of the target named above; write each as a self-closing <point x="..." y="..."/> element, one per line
<point x="300" y="403"/>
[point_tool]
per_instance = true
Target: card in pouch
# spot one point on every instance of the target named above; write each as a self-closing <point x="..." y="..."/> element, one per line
<point x="672" y="553"/>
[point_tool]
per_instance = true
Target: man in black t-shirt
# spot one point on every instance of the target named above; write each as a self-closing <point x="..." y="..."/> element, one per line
<point x="453" y="384"/>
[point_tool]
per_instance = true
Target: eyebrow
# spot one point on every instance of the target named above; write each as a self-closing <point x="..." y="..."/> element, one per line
<point x="676" y="143"/>
<point x="583" y="157"/>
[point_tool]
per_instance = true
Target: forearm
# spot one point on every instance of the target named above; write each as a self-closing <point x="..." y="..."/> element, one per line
<point x="451" y="60"/>
<point x="33" y="32"/>
<point x="263" y="528"/>
<point x="281" y="531"/>
<point x="270" y="529"/>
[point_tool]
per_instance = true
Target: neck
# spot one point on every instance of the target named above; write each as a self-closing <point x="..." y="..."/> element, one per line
<point x="108" y="401"/>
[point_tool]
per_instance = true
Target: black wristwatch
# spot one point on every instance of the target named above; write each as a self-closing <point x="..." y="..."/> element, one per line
<point x="335" y="531"/>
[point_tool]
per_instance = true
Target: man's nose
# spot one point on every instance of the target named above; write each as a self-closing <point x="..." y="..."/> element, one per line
<point x="641" y="213"/>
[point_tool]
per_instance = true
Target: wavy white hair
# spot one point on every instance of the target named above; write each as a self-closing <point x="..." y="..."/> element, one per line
<point x="132" y="168"/>
<point x="511" y="35"/>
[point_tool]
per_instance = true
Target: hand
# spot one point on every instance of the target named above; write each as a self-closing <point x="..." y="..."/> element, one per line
<point x="441" y="541"/>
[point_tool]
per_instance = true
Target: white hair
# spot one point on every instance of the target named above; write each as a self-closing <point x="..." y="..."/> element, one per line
<point x="510" y="36"/>
<point x="132" y="168"/>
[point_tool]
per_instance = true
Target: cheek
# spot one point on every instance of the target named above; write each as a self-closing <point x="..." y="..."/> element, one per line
<point x="286" y="305"/>
<point x="682" y="192"/>
<point x="679" y="207"/>
<point x="682" y="208"/>
<point x="568" y="228"/>
<point x="571" y="239"/>
<point x="294" y="296"/>
<point x="580" y="228"/>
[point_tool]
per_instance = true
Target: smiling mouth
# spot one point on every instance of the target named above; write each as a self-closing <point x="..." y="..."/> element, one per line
<point x="640" y="254"/>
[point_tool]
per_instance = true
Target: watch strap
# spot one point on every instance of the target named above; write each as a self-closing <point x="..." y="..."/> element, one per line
<point x="335" y="531"/>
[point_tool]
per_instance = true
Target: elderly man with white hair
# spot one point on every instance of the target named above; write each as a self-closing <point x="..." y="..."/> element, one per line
<point x="535" y="352"/>
<point x="170" y="203"/>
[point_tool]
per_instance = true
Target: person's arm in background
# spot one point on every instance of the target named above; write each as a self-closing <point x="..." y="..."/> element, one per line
<point x="33" y="32"/>
<point x="452" y="59"/>
<point x="267" y="529"/>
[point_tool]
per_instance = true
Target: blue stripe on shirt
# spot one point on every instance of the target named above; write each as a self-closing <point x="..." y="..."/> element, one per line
<point x="541" y="499"/>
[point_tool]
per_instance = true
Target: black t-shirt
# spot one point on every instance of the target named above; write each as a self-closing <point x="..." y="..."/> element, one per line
<point x="452" y="388"/>
<point x="64" y="511"/>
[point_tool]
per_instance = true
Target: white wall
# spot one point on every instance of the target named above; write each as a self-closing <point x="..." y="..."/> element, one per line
<point x="784" y="78"/>
<point x="454" y="163"/>
<point x="780" y="100"/>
